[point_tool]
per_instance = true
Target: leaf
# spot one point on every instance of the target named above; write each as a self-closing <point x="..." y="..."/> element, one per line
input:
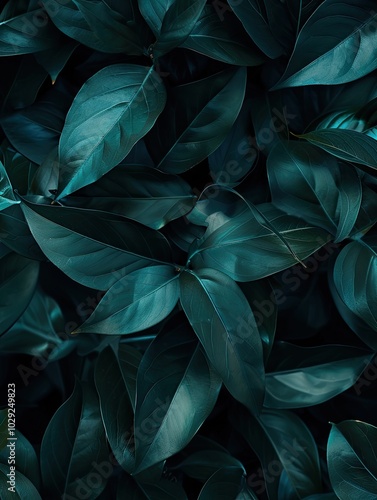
<point x="351" y="457"/>
<point x="6" y="192"/>
<point x="67" y="465"/>
<point x="282" y="442"/>
<point x="54" y="60"/>
<point x="139" y="193"/>
<point x="222" y="40"/>
<point x="323" y="55"/>
<point x="306" y="376"/>
<point x="248" y="12"/>
<point x="176" y="391"/>
<point x="326" y="192"/>
<point x="18" y="279"/>
<point x="196" y="120"/>
<point x="26" y="32"/>
<point x="225" y="325"/>
<point x="135" y="302"/>
<point x="239" y="246"/>
<point x="225" y="483"/>
<point x="355" y="278"/>
<point x="92" y="247"/>
<point x="23" y="488"/>
<point x="110" y="380"/>
<point x="102" y="127"/>
<point x="346" y="144"/>
<point x="203" y="464"/>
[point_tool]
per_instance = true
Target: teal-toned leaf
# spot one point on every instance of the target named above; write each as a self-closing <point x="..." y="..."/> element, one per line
<point x="306" y="376"/>
<point x="346" y="144"/>
<point x="284" y="21"/>
<point x="240" y="246"/>
<point x="54" y="60"/>
<point x="222" y="39"/>
<point x="254" y="22"/>
<point x="139" y="193"/>
<point x="196" y="120"/>
<point x="351" y="458"/>
<point x="25" y="32"/>
<point x="323" y="55"/>
<point x="18" y="279"/>
<point x="355" y="276"/>
<point x="92" y="247"/>
<point x="129" y="358"/>
<point x="322" y="496"/>
<point x="6" y="192"/>
<point x="137" y="301"/>
<point x="22" y="488"/>
<point x="176" y="391"/>
<point x="307" y="181"/>
<point x="203" y="464"/>
<point x="3" y="428"/>
<point x="280" y="438"/>
<point x="102" y="127"/>
<point x="67" y="464"/>
<point x="19" y="169"/>
<point x="226" y="327"/>
<point x="163" y="489"/>
<point x="116" y="407"/>
<point x="223" y="484"/>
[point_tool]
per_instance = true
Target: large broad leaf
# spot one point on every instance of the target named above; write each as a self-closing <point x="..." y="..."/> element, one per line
<point x="282" y="442"/>
<point x="323" y="55"/>
<point x="23" y="487"/>
<point x="355" y="278"/>
<point x="247" y="249"/>
<point x="171" y="21"/>
<point x="102" y="126"/>
<point x="196" y="120"/>
<point x="18" y="279"/>
<point x="224" y="483"/>
<point x="225" y="325"/>
<point x="92" y="247"/>
<point x="25" y="32"/>
<point x="68" y="464"/>
<point x="307" y="181"/>
<point x="116" y="406"/>
<point x="348" y="145"/>
<point x="6" y="192"/>
<point x="254" y="22"/>
<point x="139" y="193"/>
<point x="137" y="301"/>
<point x="351" y="458"/>
<point x="306" y="376"/>
<point x="222" y="40"/>
<point x="176" y="391"/>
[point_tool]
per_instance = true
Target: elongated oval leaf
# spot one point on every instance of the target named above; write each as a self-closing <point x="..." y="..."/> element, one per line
<point x="225" y="325"/>
<point x="306" y="376"/>
<point x="323" y="55"/>
<point x="102" y="127"/>
<point x="6" y="192"/>
<point x="23" y="488"/>
<point x="66" y="465"/>
<point x="351" y="458"/>
<point x="92" y="247"/>
<point x="177" y="389"/>
<point x="137" y="301"/>
<point x="196" y="120"/>
<point x="306" y="180"/>
<point x="224" y="483"/>
<point x="247" y="250"/>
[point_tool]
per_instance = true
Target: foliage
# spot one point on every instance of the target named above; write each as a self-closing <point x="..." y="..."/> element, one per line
<point x="188" y="248"/>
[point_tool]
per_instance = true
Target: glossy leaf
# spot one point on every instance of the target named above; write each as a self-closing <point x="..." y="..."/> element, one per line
<point x="306" y="376"/>
<point x="23" y="488"/>
<point x="18" y="279"/>
<point x="239" y="246"/>
<point x="203" y="464"/>
<point x="101" y="128"/>
<point x="225" y="325"/>
<point x="224" y="483"/>
<point x="324" y="191"/>
<point x="6" y="192"/>
<point x="351" y="457"/>
<point x="81" y="243"/>
<point x="198" y="116"/>
<point x="64" y="464"/>
<point x="177" y="389"/>
<point x="135" y="302"/>
<point x="325" y="56"/>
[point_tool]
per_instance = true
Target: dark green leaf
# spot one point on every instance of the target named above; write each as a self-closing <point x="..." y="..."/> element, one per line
<point x="102" y="127"/>
<point x="196" y="120"/>
<point x="135" y="302"/>
<point x="202" y="464"/>
<point x="176" y="391"/>
<point x="225" y="325"/>
<point x="225" y="483"/>
<point x="6" y="192"/>
<point x="351" y="457"/>
<point x="23" y="487"/>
